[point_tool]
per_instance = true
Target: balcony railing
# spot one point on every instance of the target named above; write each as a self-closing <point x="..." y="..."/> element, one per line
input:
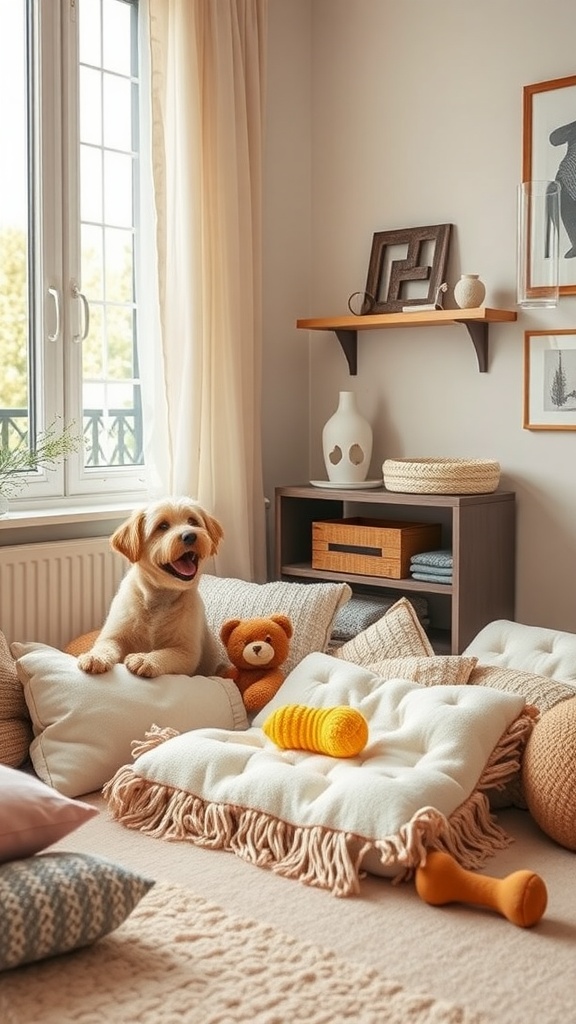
<point x="113" y="438"/>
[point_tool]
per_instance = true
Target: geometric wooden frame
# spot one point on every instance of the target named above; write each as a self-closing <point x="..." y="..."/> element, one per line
<point x="408" y="269"/>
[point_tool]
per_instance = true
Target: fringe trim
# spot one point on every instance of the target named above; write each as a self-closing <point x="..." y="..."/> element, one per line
<point x="505" y="761"/>
<point x="318" y="856"/>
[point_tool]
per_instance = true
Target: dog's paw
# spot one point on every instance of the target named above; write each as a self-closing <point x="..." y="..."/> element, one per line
<point x="94" y="664"/>
<point x="142" y="665"/>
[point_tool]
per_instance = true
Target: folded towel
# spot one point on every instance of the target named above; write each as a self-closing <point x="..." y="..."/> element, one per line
<point x="427" y="577"/>
<point x="433" y="570"/>
<point x="441" y="558"/>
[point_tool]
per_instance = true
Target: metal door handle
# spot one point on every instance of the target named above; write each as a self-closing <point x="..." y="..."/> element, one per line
<point x="77" y="294"/>
<point x="56" y="296"/>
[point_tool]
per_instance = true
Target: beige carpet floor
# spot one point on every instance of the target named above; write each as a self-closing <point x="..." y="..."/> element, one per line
<point x="463" y="955"/>
<point x="181" y="958"/>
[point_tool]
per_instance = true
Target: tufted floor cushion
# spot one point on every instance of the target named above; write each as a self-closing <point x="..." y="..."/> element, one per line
<point x="418" y="783"/>
<point x="544" y="652"/>
<point x="538" y="663"/>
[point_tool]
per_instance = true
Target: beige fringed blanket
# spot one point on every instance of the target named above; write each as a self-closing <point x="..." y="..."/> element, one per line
<point x="420" y="782"/>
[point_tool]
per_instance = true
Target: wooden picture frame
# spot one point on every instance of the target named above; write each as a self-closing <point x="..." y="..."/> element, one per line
<point x="550" y="380"/>
<point x="423" y="255"/>
<point x="549" y="154"/>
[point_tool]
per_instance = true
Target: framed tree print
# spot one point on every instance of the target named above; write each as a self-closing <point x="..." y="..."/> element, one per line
<point x="550" y="380"/>
<point x="549" y="154"/>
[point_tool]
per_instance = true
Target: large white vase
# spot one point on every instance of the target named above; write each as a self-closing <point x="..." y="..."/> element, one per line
<point x="347" y="442"/>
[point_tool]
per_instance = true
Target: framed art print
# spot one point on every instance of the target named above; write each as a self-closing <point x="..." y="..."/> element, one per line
<point x="550" y="380"/>
<point x="549" y="154"/>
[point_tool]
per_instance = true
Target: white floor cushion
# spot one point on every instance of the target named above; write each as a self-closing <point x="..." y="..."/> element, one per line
<point x="418" y="783"/>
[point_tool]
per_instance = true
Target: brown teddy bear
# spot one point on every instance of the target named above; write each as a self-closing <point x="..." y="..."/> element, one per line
<point x="256" y="648"/>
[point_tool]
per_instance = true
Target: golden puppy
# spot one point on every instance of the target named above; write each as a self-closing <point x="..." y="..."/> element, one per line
<point x="156" y="624"/>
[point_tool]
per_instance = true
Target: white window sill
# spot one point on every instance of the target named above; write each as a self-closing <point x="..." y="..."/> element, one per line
<point x="70" y="520"/>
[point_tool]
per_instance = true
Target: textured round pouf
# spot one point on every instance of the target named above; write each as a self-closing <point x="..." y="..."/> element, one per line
<point x="548" y="773"/>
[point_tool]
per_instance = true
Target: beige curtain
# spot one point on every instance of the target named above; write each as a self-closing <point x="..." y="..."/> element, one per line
<point x="201" y="351"/>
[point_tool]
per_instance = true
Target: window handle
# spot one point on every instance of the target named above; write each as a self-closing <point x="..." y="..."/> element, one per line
<point x="56" y="296"/>
<point x="77" y="294"/>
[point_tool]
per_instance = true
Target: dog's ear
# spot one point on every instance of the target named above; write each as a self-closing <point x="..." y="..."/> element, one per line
<point x="214" y="531"/>
<point x="128" y="539"/>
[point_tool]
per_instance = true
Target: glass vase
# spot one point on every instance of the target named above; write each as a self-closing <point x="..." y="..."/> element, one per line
<point x="538" y="261"/>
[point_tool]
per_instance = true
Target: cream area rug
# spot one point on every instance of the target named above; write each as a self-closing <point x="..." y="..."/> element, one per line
<point x="181" y="958"/>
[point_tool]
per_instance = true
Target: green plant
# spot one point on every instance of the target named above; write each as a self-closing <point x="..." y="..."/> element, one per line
<point x="52" y="445"/>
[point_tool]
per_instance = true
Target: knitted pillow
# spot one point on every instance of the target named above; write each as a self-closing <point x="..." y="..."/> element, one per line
<point x="539" y="691"/>
<point x="398" y="634"/>
<point x="440" y="670"/>
<point x="55" y="902"/>
<point x="15" y="726"/>
<point x="311" y="608"/>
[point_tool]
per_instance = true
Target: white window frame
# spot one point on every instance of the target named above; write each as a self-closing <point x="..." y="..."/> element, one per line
<point x="58" y="376"/>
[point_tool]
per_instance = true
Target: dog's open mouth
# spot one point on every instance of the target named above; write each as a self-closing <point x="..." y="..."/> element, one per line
<point x="184" y="568"/>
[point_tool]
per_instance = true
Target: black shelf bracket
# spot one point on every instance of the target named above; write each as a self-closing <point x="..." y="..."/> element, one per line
<point x="479" y="334"/>
<point x="477" y="330"/>
<point x="349" y="342"/>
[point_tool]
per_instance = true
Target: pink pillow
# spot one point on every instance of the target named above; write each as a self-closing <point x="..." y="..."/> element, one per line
<point x="33" y="815"/>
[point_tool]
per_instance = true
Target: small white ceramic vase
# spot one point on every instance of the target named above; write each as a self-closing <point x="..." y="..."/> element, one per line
<point x="4" y="505"/>
<point x="469" y="291"/>
<point x="347" y="442"/>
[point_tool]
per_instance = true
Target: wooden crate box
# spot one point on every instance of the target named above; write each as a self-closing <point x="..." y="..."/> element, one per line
<point x="371" y="547"/>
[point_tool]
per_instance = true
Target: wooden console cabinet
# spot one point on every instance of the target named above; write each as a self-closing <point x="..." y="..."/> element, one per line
<point x="479" y="528"/>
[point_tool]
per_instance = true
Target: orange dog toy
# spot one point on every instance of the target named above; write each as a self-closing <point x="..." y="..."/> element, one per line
<point x="520" y="897"/>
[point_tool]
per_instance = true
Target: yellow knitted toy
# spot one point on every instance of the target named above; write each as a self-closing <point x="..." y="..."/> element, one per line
<point x="338" y="731"/>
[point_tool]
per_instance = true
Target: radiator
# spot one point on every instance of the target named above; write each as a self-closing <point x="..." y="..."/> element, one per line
<point x="51" y="593"/>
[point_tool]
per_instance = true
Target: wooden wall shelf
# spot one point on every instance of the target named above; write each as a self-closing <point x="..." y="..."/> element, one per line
<point x="476" y="322"/>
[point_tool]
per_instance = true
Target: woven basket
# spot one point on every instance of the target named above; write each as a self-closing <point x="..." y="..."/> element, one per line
<point x="441" y="476"/>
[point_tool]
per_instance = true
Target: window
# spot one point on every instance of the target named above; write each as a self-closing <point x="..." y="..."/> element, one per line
<point x="69" y="120"/>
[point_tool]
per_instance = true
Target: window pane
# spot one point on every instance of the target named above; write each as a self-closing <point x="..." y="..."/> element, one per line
<point x="111" y="391"/>
<point x="94" y="348"/>
<point x="117" y="112"/>
<point x="14" y="177"/>
<point x="120" y="325"/>
<point x="117" y="55"/>
<point x="92" y="263"/>
<point x="119" y="270"/>
<point x="90" y="41"/>
<point x="118" y="189"/>
<point x="90" y="184"/>
<point x="90" y="106"/>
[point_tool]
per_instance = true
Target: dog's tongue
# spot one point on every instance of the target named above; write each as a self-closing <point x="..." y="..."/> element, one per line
<point x="185" y="566"/>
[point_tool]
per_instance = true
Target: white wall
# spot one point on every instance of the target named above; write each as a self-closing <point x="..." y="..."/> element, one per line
<point x="399" y="113"/>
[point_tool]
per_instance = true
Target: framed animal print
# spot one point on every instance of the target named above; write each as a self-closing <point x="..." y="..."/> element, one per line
<point x="549" y="154"/>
